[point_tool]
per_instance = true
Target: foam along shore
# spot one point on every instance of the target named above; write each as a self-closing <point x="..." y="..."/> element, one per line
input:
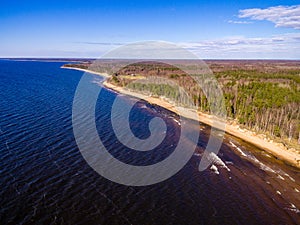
<point x="86" y="71"/>
<point x="290" y="156"/>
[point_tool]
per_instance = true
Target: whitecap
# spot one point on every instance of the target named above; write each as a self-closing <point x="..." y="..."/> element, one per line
<point x="287" y="175"/>
<point x="293" y="208"/>
<point x="252" y="158"/>
<point x="232" y="144"/>
<point x="214" y="169"/>
<point x="237" y="148"/>
<point x="214" y="159"/>
<point x="267" y="155"/>
<point x="240" y="150"/>
<point x="178" y="122"/>
<point x="265" y="168"/>
<point x="261" y="165"/>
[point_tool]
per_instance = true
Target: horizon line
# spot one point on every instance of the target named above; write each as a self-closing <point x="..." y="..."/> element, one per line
<point x="91" y="58"/>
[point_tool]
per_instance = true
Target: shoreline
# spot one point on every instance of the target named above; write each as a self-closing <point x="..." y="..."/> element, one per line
<point x="278" y="150"/>
<point x="86" y="71"/>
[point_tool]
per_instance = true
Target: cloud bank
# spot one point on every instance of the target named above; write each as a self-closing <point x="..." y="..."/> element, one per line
<point x="285" y="46"/>
<point x="281" y="16"/>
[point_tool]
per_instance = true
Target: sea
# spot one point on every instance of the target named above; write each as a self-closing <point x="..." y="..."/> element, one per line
<point x="45" y="179"/>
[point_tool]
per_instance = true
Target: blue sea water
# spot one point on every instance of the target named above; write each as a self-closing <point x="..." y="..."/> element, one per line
<point x="45" y="180"/>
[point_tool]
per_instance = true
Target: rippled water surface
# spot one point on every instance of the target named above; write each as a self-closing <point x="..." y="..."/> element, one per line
<point x="45" y="180"/>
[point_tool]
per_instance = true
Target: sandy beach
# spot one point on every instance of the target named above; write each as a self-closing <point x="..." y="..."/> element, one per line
<point x="290" y="156"/>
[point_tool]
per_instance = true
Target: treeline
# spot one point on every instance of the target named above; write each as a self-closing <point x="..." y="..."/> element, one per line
<point x="80" y="65"/>
<point x="265" y="107"/>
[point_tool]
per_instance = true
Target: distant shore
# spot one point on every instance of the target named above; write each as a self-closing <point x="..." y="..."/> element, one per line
<point x="278" y="150"/>
<point x="86" y="71"/>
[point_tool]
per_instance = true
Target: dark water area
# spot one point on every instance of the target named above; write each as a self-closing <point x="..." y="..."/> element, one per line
<point x="45" y="180"/>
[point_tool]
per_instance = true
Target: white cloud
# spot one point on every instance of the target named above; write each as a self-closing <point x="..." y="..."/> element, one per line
<point x="238" y="22"/>
<point x="281" y="16"/>
<point x="285" y="46"/>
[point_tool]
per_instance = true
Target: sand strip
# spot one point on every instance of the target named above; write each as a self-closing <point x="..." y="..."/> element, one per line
<point x="86" y="71"/>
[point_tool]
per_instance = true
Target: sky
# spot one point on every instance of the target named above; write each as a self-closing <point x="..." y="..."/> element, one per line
<point x="218" y="29"/>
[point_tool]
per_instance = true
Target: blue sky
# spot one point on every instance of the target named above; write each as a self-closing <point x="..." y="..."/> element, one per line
<point x="211" y="29"/>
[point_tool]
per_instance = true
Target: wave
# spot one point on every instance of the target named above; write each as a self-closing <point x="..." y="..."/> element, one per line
<point x="239" y="149"/>
<point x="214" y="169"/>
<point x="293" y="208"/>
<point x="215" y="161"/>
